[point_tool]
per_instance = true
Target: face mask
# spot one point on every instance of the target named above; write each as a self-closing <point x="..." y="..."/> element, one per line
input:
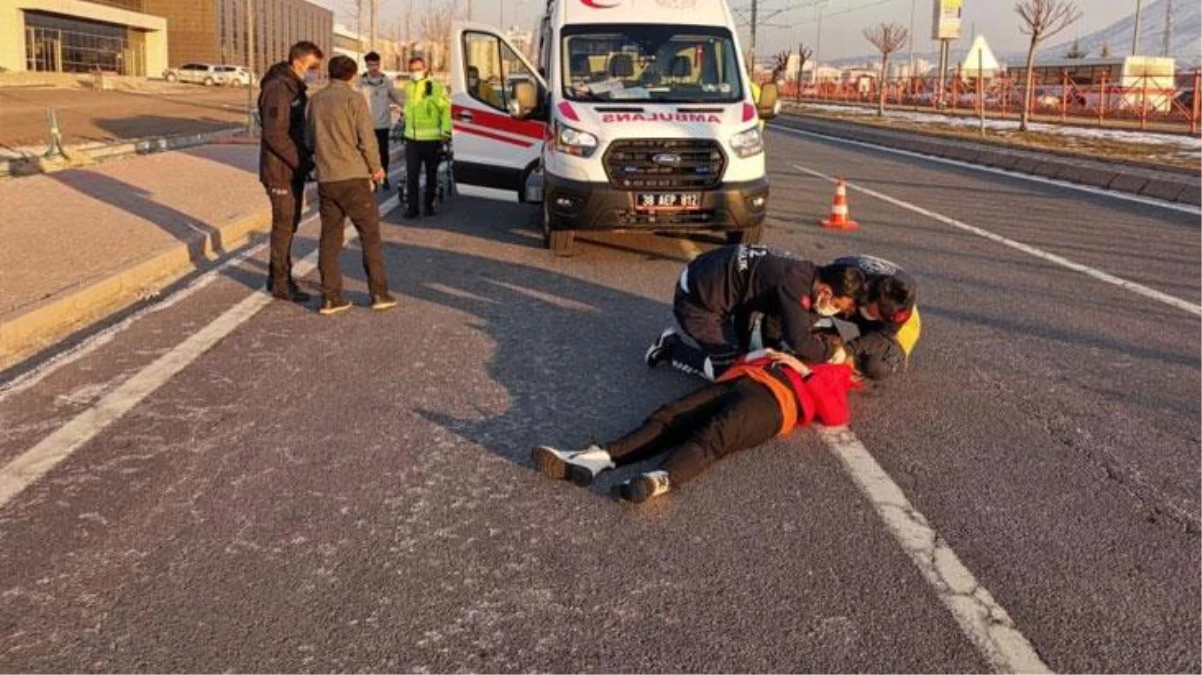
<point x="471" y="82"/>
<point x="310" y="76"/>
<point x="823" y="306"/>
<point x="417" y="74"/>
<point x="828" y="310"/>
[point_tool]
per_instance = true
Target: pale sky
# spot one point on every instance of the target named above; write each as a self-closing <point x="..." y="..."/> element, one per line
<point x="841" y="26"/>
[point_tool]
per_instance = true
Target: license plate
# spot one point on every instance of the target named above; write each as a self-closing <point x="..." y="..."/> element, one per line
<point x="665" y="201"/>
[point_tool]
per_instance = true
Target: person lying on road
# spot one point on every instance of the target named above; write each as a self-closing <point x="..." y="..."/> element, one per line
<point x="764" y="396"/>
<point x="719" y="291"/>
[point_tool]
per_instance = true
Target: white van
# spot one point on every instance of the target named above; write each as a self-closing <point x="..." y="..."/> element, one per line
<point x="638" y="115"/>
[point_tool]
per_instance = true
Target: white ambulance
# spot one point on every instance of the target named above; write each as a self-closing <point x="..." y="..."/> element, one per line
<point x="638" y="115"/>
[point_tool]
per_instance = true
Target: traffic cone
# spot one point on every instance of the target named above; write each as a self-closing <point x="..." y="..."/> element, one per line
<point x="839" y="218"/>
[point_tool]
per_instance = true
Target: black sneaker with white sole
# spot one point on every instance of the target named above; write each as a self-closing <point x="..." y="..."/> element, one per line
<point x="644" y="486"/>
<point x="580" y="467"/>
<point x="661" y="349"/>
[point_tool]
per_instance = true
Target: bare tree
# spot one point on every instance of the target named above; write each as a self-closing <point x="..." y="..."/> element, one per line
<point x="887" y="38"/>
<point x="1041" y="19"/>
<point x="435" y="27"/>
<point x="780" y="64"/>
<point x="803" y="57"/>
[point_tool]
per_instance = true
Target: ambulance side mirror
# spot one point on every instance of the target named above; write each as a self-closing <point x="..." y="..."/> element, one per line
<point x="769" y="103"/>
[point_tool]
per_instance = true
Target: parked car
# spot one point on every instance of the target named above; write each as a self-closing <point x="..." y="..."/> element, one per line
<point x="239" y="76"/>
<point x="197" y="73"/>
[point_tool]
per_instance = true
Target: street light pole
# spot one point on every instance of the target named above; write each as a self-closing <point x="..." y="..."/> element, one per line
<point x="1168" y="28"/>
<point x="913" y="9"/>
<point x="1139" y="10"/>
<point x="250" y="64"/>
<point x="818" y="42"/>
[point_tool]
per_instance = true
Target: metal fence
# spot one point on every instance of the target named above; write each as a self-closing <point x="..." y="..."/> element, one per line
<point x="1145" y="103"/>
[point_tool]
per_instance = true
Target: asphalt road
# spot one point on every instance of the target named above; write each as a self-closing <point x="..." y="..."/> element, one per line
<point x="354" y="493"/>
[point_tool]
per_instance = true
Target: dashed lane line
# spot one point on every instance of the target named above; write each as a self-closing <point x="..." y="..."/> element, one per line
<point x="36" y="462"/>
<point x="1106" y="277"/>
<point x="986" y="624"/>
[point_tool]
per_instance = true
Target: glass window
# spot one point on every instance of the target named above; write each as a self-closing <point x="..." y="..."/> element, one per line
<point x="660" y="63"/>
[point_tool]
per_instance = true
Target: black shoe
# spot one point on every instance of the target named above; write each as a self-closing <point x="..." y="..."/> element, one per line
<point x="331" y="306"/>
<point x="643" y="487"/>
<point x="659" y="350"/>
<point x="382" y="302"/>
<point x="411" y="213"/>
<point x="297" y="294"/>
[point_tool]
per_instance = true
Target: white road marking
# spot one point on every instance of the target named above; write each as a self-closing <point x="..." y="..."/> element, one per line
<point x="94" y="342"/>
<point x="34" y="463"/>
<point x="1147" y="201"/>
<point x="979" y="616"/>
<point x="1138" y="289"/>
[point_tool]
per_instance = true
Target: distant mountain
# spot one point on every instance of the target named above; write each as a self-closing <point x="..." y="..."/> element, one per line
<point x="1185" y="46"/>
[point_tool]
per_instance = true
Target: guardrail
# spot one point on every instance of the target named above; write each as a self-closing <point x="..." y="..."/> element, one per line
<point x="1144" y="102"/>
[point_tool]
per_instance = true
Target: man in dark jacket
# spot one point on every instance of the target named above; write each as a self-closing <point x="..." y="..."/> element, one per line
<point x="720" y="291"/>
<point x="284" y="161"/>
<point x="887" y="319"/>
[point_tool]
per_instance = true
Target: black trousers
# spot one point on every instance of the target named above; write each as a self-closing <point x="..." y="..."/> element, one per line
<point x="383" y="136"/>
<point x="714" y="337"/>
<point x="417" y="154"/>
<point x="702" y="428"/>
<point x="352" y="199"/>
<point x="286" y="206"/>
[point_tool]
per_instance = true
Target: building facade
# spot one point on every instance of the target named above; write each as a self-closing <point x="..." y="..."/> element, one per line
<point x="215" y="31"/>
<point x="80" y="36"/>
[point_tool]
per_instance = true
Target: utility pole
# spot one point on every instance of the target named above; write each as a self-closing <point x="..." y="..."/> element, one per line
<point x="1139" y="10"/>
<point x="469" y="10"/>
<point x="250" y="63"/>
<point x="1168" y="28"/>
<point x="375" y="10"/>
<point x="913" y="9"/>
<point x="755" y="17"/>
<point x="818" y="41"/>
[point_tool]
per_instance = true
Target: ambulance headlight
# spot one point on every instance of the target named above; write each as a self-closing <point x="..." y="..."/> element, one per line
<point x="575" y="142"/>
<point x="747" y="143"/>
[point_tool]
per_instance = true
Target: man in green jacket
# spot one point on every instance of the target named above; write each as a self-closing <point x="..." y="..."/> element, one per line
<point x="427" y="124"/>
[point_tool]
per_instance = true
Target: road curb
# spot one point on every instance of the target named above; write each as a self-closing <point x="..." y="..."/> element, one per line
<point x="32" y="163"/>
<point x="34" y="327"/>
<point x="1166" y="186"/>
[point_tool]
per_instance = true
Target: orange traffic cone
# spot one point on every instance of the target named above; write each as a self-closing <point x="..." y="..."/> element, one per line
<point x="839" y="219"/>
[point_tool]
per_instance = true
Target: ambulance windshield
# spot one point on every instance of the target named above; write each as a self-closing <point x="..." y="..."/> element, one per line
<point x="653" y="63"/>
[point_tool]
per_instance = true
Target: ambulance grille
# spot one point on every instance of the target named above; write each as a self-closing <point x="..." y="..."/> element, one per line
<point x="631" y="164"/>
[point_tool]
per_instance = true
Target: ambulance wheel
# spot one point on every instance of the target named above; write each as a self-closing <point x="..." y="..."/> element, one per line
<point x="558" y="241"/>
<point x="751" y="235"/>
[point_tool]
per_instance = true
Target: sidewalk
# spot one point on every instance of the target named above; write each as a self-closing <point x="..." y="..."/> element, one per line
<point x="82" y="244"/>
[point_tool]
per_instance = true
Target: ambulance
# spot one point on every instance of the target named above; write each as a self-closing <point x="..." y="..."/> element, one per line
<point x="633" y="115"/>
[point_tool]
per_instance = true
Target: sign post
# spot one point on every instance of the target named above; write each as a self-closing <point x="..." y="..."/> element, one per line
<point x="945" y="27"/>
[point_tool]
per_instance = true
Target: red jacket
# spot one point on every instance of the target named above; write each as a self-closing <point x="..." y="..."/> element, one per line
<point x="821" y="396"/>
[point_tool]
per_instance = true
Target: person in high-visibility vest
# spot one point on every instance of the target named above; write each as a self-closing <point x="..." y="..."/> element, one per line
<point x="427" y="124"/>
<point x="755" y="99"/>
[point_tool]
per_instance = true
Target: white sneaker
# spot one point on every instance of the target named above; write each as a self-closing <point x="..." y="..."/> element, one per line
<point x="580" y="467"/>
<point x="645" y="486"/>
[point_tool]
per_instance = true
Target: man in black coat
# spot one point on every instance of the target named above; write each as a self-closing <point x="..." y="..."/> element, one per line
<point x="284" y="161"/>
